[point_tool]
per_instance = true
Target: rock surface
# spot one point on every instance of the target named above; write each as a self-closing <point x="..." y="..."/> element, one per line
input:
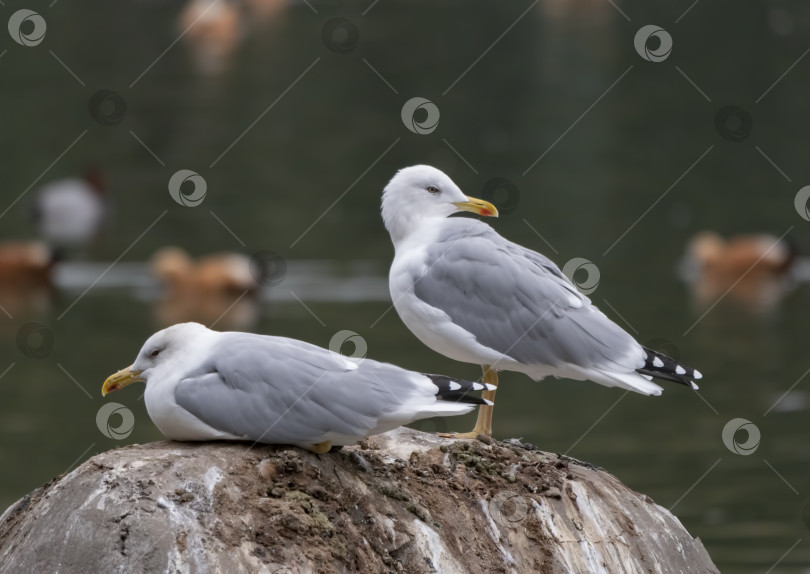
<point x="404" y="501"/>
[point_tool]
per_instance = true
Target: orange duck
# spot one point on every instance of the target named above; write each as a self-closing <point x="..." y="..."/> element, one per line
<point x="25" y="275"/>
<point x="215" y="289"/>
<point x="747" y="269"/>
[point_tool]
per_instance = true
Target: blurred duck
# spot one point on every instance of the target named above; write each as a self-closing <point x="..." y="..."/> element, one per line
<point x="25" y="263"/>
<point x="25" y="276"/>
<point x="264" y="11"/>
<point x="750" y="270"/>
<point x="217" y="288"/>
<point x="69" y="213"/>
<point x="220" y="273"/>
<point x="213" y="29"/>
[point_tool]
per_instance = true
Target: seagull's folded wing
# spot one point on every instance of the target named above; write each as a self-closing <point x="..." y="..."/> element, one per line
<point x="518" y="302"/>
<point x="282" y="391"/>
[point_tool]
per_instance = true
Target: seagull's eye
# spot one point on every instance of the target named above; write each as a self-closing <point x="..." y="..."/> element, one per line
<point x="433" y="189"/>
<point x="154" y="353"/>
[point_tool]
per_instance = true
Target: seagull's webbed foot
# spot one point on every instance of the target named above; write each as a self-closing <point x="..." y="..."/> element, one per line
<point x="319" y="448"/>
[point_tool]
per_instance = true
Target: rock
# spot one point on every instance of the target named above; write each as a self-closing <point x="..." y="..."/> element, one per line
<point x="453" y="507"/>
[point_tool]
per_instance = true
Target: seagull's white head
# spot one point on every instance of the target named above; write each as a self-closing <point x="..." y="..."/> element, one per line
<point x="421" y="192"/>
<point x="164" y="351"/>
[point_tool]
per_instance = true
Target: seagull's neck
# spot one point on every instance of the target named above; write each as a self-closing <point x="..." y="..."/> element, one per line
<point x="406" y="225"/>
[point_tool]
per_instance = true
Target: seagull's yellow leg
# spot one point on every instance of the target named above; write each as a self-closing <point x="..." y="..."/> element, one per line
<point x="484" y="423"/>
<point x="320" y="448"/>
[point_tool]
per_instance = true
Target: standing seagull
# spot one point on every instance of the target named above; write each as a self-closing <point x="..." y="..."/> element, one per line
<point x="473" y="296"/>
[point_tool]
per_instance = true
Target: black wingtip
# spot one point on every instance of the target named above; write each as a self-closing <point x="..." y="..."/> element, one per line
<point x="458" y="390"/>
<point x="661" y="366"/>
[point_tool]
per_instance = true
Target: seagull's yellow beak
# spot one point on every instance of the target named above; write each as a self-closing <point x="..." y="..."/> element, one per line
<point x="478" y="206"/>
<point x="121" y="379"/>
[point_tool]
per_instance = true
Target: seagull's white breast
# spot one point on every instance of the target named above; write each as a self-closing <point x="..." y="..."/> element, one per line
<point x="431" y="325"/>
<point x="175" y="422"/>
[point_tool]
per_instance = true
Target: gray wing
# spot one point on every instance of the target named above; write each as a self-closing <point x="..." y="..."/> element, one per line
<point x="517" y="301"/>
<point x="283" y="391"/>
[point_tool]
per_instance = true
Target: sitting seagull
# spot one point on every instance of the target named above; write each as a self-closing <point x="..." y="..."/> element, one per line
<point x="206" y="385"/>
<point x="473" y="296"/>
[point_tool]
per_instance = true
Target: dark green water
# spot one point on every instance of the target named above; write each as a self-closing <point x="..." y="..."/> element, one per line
<point x="525" y="97"/>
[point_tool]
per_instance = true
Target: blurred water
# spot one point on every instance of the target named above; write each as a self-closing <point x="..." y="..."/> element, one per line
<point x="311" y="280"/>
<point x="616" y="136"/>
